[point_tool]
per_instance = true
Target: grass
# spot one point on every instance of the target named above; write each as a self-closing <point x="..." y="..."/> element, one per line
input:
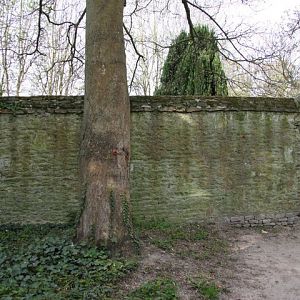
<point x="174" y="231"/>
<point x="206" y="288"/>
<point x="41" y="262"/>
<point x="167" y="236"/>
<point x="197" y="242"/>
<point x="160" y="289"/>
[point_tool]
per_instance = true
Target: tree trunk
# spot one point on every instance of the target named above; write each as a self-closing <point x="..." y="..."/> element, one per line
<point x="105" y="148"/>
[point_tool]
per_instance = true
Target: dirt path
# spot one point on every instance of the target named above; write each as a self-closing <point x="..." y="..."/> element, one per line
<point x="244" y="264"/>
<point x="265" y="265"/>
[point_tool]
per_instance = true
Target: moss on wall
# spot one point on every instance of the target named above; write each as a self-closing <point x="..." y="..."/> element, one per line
<point x="195" y="166"/>
<point x="185" y="166"/>
<point x="38" y="168"/>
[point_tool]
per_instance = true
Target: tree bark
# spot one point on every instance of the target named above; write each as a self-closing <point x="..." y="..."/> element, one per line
<point x="105" y="148"/>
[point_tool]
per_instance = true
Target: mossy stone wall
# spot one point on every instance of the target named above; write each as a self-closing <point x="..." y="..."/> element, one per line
<point x="192" y="158"/>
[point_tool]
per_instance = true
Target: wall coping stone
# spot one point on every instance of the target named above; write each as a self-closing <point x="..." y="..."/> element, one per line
<point x="184" y="104"/>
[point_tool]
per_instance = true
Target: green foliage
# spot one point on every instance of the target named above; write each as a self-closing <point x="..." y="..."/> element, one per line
<point x="41" y="262"/>
<point x="168" y="237"/>
<point x="165" y="234"/>
<point x="193" y="66"/>
<point x="8" y="106"/>
<point x="206" y="288"/>
<point x="159" y="289"/>
<point x="127" y="220"/>
<point x="153" y="223"/>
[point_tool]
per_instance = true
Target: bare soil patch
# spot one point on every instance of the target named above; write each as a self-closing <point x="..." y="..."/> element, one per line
<point x="264" y="265"/>
<point x="243" y="264"/>
<point x="183" y="255"/>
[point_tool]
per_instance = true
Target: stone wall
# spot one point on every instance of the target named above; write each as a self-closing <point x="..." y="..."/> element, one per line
<point x="193" y="159"/>
<point x="273" y="219"/>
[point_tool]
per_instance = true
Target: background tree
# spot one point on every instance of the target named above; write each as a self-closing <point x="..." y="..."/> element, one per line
<point x="151" y="26"/>
<point x="37" y="57"/>
<point x="54" y="73"/>
<point x="15" y="39"/>
<point x="193" y="66"/>
<point x="147" y="71"/>
<point x="277" y="76"/>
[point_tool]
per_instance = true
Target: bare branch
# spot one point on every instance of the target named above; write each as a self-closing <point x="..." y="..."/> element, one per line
<point x="39" y="32"/>
<point x="219" y="26"/>
<point x="139" y="55"/>
<point x="188" y="16"/>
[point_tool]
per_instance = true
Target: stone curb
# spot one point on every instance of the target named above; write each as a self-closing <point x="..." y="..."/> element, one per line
<point x="283" y="219"/>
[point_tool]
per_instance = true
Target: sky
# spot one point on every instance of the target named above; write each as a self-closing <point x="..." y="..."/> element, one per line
<point x="265" y="14"/>
<point x="163" y="27"/>
<point x="262" y="17"/>
<point x="274" y="10"/>
<point x="265" y="11"/>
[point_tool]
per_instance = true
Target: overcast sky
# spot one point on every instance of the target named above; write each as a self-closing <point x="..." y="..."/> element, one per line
<point x="265" y="11"/>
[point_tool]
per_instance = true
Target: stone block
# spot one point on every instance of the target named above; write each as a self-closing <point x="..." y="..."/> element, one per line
<point x="253" y="221"/>
<point x="270" y="216"/>
<point x="260" y="217"/>
<point x="266" y="221"/>
<point x="289" y="215"/>
<point x="237" y="219"/>
<point x="269" y="224"/>
<point x="226" y="220"/>
<point x="282" y="220"/>
<point x="292" y="219"/>
<point x="250" y="217"/>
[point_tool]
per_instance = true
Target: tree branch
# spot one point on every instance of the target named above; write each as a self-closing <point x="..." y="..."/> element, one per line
<point x="139" y="55"/>
<point x="188" y="16"/>
<point x="219" y="26"/>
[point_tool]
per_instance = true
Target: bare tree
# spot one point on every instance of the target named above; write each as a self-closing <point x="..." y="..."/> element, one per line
<point x="234" y="40"/>
<point x="6" y="20"/>
<point x="56" y="72"/>
<point x="57" y="62"/>
<point x="277" y="75"/>
<point x="16" y="36"/>
<point x="147" y="71"/>
<point x="40" y="54"/>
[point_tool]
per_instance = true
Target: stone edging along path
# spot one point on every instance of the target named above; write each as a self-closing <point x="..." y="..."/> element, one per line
<point x="283" y="219"/>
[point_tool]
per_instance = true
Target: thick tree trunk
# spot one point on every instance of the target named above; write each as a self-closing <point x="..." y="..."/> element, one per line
<point x="105" y="148"/>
